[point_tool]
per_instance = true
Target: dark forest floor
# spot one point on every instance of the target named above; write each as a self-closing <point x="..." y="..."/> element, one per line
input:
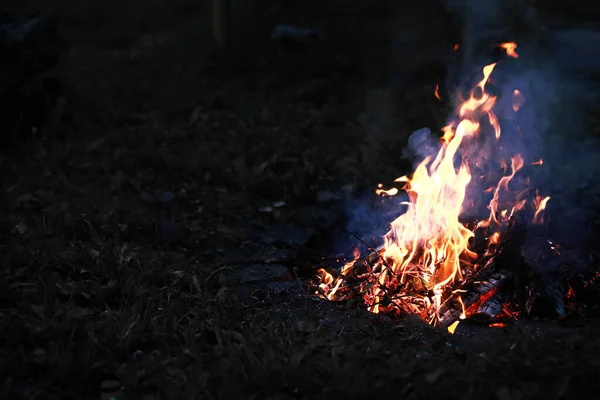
<point x="118" y="230"/>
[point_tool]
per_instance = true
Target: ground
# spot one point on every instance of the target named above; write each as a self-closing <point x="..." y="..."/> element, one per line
<point x="118" y="228"/>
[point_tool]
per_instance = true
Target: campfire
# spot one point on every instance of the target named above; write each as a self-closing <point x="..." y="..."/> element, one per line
<point x="438" y="261"/>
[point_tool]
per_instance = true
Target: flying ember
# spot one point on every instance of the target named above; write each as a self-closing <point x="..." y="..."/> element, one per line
<point x="431" y="248"/>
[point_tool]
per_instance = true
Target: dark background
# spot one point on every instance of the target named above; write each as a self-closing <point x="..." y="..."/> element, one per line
<point x="122" y="226"/>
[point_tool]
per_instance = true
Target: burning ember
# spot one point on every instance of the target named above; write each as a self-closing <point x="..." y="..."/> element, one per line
<point x="431" y="253"/>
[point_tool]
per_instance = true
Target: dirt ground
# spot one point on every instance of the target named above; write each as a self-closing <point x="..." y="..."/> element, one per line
<point x="116" y="228"/>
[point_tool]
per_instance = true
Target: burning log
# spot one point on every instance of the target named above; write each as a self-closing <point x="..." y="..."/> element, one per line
<point x="483" y="293"/>
<point x="475" y="294"/>
<point x="493" y="307"/>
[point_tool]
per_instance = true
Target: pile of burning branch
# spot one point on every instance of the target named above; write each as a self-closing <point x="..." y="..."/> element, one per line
<point x="439" y="262"/>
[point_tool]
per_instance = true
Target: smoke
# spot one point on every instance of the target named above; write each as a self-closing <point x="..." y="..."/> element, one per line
<point x="369" y="217"/>
<point x="485" y="20"/>
<point x="552" y="126"/>
<point x="552" y="74"/>
<point x="551" y="121"/>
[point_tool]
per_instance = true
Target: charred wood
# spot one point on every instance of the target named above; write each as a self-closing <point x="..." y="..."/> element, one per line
<point x="485" y="292"/>
<point x="492" y="307"/>
<point x="546" y="297"/>
<point x="510" y="257"/>
<point x="548" y="277"/>
<point x="475" y="293"/>
<point x="526" y="268"/>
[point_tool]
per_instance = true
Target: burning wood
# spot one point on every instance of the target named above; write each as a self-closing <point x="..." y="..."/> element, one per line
<point x="432" y="263"/>
<point x="475" y="296"/>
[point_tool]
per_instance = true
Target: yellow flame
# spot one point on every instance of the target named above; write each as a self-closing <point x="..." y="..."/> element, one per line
<point x="452" y="327"/>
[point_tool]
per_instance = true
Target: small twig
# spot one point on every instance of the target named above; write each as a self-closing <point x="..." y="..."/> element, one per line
<point x="373" y="249"/>
<point x="339" y="302"/>
<point x="216" y="271"/>
<point x="383" y="261"/>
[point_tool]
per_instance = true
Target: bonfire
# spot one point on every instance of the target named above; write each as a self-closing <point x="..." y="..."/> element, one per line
<point x="431" y="252"/>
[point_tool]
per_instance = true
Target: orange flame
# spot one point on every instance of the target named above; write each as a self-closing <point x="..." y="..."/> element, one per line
<point x="436" y="92"/>
<point x="510" y="49"/>
<point x="540" y="205"/>
<point x="386" y="192"/>
<point x="516" y="164"/>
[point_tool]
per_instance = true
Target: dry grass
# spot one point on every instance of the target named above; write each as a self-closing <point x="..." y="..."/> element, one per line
<point x="108" y="283"/>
